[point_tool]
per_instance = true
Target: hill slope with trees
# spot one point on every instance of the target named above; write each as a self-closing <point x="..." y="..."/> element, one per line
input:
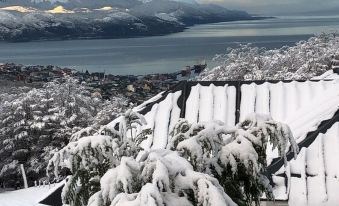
<point x="38" y="20"/>
<point x="35" y="122"/>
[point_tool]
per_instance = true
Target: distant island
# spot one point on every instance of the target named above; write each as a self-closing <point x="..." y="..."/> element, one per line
<point x="25" y="20"/>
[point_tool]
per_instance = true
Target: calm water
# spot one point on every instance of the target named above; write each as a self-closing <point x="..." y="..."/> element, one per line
<point x="165" y="53"/>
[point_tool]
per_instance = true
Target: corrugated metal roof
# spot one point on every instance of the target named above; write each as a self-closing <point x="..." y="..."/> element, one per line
<point x="312" y="179"/>
<point x="231" y="102"/>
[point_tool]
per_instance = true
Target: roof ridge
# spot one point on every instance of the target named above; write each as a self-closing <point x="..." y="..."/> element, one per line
<point x="186" y="87"/>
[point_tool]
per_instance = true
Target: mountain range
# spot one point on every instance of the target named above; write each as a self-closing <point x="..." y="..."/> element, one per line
<point x="25" y="20"/>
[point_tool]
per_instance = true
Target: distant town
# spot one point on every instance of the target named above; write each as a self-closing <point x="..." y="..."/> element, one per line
<point x="136" y="88"/>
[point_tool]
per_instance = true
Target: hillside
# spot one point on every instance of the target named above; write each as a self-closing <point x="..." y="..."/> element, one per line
<point x="25" y="20"/>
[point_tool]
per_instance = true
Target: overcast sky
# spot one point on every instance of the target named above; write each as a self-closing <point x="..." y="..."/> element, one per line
<point x="276" y="7"/>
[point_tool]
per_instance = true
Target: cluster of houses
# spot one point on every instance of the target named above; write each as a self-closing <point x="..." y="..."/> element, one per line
<point x="136" y="88"/>
<point x="30" y="74"/>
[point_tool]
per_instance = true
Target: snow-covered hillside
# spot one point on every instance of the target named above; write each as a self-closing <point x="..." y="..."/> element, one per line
<point x="28" y="20"/>
<point x="35" y="122"/>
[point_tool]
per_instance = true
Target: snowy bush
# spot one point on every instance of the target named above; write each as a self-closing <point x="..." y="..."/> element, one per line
<point x="203" y="164"/>
<point x="88" y="158"/>
<point x="160" y="177"/>
<point x="235" y="156"/>
<point x="303" y="61"/>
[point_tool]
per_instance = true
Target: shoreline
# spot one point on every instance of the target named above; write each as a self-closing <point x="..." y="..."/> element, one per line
<point x="180" y="30"/>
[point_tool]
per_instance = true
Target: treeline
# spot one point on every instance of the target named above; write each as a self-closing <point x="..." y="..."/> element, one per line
<point x="305" y="60"/>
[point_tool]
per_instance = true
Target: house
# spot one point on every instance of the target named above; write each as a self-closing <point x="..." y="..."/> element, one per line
<point x="130" y="88"/>
<point x="147" y="87"/>
<point x="310" y="108"/>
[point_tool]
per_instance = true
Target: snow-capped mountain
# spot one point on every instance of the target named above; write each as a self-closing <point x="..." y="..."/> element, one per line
<point x="184" y="1"/>
<point x="72" y="4"/>
<point x="22" y="20"/>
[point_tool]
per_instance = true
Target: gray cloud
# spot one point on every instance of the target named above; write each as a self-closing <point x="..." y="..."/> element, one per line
<point x="276" y="7"/>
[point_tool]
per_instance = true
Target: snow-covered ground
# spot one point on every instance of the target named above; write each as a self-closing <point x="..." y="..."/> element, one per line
<point x="27" y="197"/>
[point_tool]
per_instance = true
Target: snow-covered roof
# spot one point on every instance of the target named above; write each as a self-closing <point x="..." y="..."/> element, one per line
<point x="310" y="108"/>
<point x="30" y="196"/>
<point x="312" y="179"/>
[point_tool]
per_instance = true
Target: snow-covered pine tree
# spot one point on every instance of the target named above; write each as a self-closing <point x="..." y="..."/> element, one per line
<point x="35" y="122"/>
<point x="235" y="156"/>
<point x="15" y="135"/>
